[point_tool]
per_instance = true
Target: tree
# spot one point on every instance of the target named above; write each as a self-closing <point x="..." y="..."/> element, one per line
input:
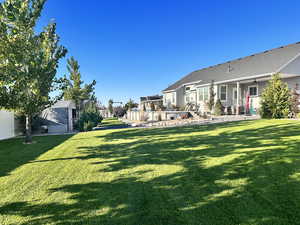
<point x="130" y="105"/>
<point x="219" y="108"/>
<point x="295" y="102"/>
<point x="212" y="94"/>
<point x="89" y="118"/>
<point x="73" y="88"/>
<point x="28" y="60"/>
<point x="276" y="99"/>
<point x="110" y="106"/>
<point x="119" y="111"/>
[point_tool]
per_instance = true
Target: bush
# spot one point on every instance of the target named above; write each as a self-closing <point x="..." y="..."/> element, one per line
<point x="89" y="118"/>
<point x="276" y="100"/>
<point x="295" y="103"/>
<point x="119" y="112"/>
<point x="219" y="108"/>
<point x="88" y="126"/>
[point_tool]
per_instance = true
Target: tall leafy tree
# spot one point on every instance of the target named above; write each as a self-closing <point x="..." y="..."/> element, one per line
<point x="130" y="105"/>
<point x="276" y="99"/>
<point x="75" y="88"/>
<point x="28" y="60"/>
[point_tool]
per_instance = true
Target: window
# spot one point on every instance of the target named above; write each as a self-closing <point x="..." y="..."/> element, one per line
<point x="187" y="99"/>
<point x="223" y="93"/>
<point x="205" y="94"/>
<point x="200" y="94"/>
<point x="253" y="91"/>
<point x="173" y="97"/>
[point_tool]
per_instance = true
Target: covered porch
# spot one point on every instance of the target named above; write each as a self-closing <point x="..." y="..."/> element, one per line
<point x="241" y="97"/>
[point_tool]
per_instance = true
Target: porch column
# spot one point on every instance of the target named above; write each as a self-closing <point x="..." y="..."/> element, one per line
<point x="238" y="98"/>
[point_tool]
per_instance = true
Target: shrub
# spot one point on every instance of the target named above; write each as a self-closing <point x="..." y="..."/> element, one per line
<point x="276" y="100"/>
<point x="229" y="110"/>
<point x="295" y="103"/>
<point x="88" y="126"/>
<point x="90" y="117"/>
<point x="219" y="108"/>
<point x="119" y="112"/>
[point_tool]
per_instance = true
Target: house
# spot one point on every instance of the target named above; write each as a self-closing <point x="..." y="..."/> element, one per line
<point x="7" y="124"/>
<point x="156" y="100"/>
<point x="60" y="118"/>
<point x="236" y="80"/>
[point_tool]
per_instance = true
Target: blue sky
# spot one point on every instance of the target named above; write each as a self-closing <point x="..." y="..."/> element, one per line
<point x="135" y="48"/>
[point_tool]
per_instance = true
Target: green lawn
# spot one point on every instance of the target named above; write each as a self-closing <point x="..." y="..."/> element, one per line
<point x="236" y="173"/>
<point x="111" y="122"/>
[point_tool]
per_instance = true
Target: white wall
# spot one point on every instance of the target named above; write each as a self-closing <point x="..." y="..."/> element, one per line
<point x="7" y="126"/>
<point x="169" y="100"/>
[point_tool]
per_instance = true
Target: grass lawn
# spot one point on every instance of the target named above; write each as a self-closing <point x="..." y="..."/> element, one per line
<point x="111" y="122"/>
<point x="236" y="173"/>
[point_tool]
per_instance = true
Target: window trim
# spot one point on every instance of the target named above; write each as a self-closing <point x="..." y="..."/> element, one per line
<point x="206" y="88"/>
<point x="256" y="90"/>
<point x="200" y="89"/>
<point x="201" y="93"/>
<point x="220" y="94"/>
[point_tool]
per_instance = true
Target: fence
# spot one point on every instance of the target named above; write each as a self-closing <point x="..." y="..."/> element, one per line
<point x="154" y="116"/>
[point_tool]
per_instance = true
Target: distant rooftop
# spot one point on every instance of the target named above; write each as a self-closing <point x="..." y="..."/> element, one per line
<point x="64" y="104"/>
<point x="151" y="98"/>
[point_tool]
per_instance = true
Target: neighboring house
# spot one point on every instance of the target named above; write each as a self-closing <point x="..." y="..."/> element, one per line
<point x="237" y="80"/>
<point x="60" y="118"/>
<point x="7" y="124"/>
<point x="157" y="100"/>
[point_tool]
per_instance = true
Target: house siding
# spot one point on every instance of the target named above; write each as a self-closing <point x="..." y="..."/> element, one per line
<point x="7" y="124"/>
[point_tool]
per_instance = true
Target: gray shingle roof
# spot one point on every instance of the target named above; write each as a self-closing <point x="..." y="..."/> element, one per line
<point x="262" y="63"/>
<point x="64" y="104"/>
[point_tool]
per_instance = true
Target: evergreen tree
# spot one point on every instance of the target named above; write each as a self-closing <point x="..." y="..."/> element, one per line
<point x="219" y="108"/>
<point x="295" y="103"/>
<point x="28" y="60"/>
<point x="110" y="106"/>
<point x="130" y="105"/>
<point x="212" y="94"/>
<point x="276" y="99"/>
<point x="74" y="89"/>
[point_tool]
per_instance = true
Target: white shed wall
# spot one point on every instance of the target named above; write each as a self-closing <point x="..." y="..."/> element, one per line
<point x="7" y="125"/>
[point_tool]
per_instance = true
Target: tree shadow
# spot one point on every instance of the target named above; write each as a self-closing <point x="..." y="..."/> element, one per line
<point x="13" y="153"/>
<point x="232" y="176"/>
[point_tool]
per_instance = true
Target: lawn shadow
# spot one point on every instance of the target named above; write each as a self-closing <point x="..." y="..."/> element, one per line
<point x="13" y="153"/>
<point x="248" y="176"/>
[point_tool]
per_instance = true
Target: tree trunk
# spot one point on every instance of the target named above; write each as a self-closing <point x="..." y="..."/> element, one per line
<point x="28" y="137"/>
